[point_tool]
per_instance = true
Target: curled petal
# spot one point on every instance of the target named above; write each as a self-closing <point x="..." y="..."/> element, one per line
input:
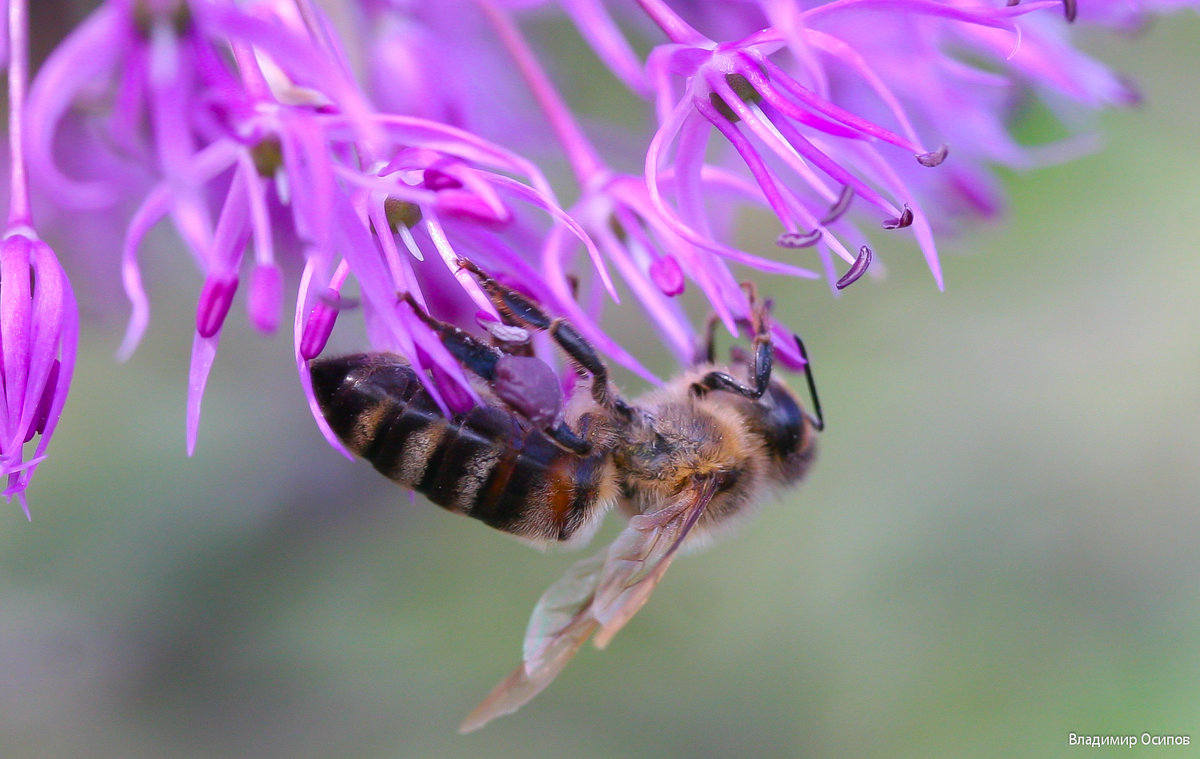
<point x="85" y="54"/>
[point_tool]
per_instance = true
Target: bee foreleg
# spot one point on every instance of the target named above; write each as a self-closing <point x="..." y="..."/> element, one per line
<point x="760" y="365"/>
<point x="706" y="352"/>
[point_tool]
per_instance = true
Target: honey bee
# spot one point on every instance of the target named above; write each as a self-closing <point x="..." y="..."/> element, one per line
<point x="681" y="462"/>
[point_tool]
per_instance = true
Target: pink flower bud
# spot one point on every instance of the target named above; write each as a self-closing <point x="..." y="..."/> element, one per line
<point x="667" y="275"/>
<point x="320" y="323"/>
<point x="215" y="298"/>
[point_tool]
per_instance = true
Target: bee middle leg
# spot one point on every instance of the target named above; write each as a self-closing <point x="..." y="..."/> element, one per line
<point x="495" y="367"/>
<point x="510" y="336"/>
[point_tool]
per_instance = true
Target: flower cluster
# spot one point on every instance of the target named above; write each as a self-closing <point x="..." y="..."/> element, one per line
<point x="361" y="175"/>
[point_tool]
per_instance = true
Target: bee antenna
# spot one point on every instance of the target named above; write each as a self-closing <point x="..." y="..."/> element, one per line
<point x="817" y="418"/>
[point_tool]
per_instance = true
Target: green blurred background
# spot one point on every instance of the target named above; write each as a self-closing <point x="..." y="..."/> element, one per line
<point x="998" y="547"/>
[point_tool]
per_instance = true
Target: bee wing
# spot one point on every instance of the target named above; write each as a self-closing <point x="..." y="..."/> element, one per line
<point x="560" y="608"/>
<point x="560" y="623"/>
<point x="602" y="592"/>
<point x="639" y="557"/>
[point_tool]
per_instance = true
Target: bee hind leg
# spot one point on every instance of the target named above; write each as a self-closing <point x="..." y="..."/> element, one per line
<point x="524" y="384"/>
<point x="523" y="311"/>
<point x="475" y="356"/>
<point x="566" y="438"/>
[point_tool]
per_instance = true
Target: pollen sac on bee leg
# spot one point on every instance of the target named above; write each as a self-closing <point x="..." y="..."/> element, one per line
<point x="530" y="387"/>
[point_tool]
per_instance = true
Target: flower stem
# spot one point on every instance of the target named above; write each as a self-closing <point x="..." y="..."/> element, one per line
<point x="584" y="160"/>
<point x="18" y="79"/>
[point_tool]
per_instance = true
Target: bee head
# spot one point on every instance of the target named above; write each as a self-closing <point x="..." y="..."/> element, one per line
<point x="787" y="432"/>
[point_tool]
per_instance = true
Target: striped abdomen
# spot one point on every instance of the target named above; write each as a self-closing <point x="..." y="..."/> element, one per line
<point x="487" y="463"/>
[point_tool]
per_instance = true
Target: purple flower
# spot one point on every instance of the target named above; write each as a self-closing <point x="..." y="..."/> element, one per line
<point x="835" y="112"/>
<point x="39" y="323"/>
<point x="359" y="177"/>
<point x="384" y="173"/>
<point x="281" y="136"/>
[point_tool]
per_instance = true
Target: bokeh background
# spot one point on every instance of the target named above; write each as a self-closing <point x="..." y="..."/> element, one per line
<point x="998" y="547"/>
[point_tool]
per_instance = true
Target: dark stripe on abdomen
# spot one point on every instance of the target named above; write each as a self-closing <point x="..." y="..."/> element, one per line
<point x="472" y="442"/>
<point x="508" y="494"/>
<point x="392" y="451"/>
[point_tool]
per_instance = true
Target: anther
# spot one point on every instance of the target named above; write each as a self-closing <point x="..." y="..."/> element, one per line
<point x="505" y="333"/>
<point x="320" y="323"/>
<point x="840" y="206"/>
<point x="400" y="212"/>
<point x="267" y="155"/>
<point x="742" y="88"/>
<point x="905" y="219"/>
<point x="798" y="239"/>
<point x="470" y="207"/>
<point x="929" y="160"/>
<point x="857" y="269"/>
<point x="439" y="180"/>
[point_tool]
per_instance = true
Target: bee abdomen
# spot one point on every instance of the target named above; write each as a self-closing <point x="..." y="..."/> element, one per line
<point x="487" y="463"/>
